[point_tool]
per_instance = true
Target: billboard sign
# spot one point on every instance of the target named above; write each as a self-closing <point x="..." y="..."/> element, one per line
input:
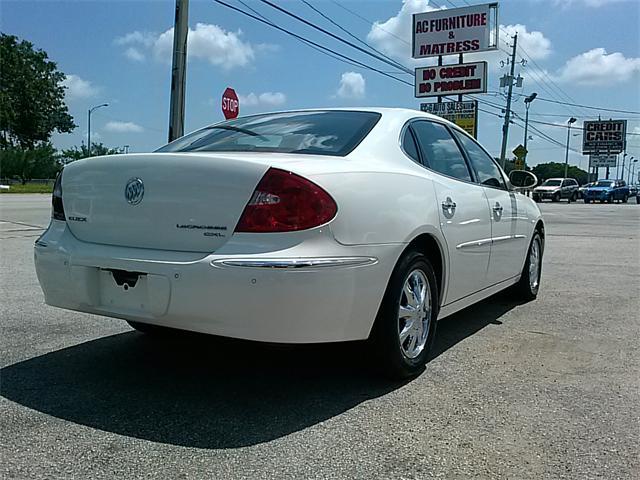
<point x="604" y="136"/>
<point x="602" y="161"/>
<point x="463" y="114"/>
<point x="451" y="79"/>
<point x="455" y="30"/>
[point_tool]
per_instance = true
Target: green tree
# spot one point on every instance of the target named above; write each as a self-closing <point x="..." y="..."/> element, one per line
<point x="556" y="170"/>
<point x="38" y="162"/>
<point x="76" y="153"/>
<point x="31" y="96"/>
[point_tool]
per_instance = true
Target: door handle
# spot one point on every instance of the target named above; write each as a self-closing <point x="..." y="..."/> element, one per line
<point x="498" y="208"/>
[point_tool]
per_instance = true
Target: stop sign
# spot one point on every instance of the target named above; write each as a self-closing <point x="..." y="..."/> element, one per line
<point x="230" y="104"/>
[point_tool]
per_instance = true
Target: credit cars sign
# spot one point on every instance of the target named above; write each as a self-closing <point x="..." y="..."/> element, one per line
<point x="455" y="30"/>
<point x="604" y="136"/>
<point x="463" y="114"/>
<point x="451" y="79"/>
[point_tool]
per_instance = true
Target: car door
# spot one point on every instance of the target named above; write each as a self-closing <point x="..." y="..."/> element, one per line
<point x="508" y="245"/>
<point x="464" y="211"/>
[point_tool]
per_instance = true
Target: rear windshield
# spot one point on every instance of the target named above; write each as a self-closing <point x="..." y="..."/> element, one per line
<point x="551" y="183"/>
<point x="317" y="132"/>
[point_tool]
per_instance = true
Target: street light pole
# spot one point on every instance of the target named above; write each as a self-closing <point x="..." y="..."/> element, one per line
<point x="90" y="111"/>
<point x="527" y="104"/>
<point x="624" y="157"/>
<point x="632" y="180"/>
<point x="178" y="70"/>
<point x="566" y="157"/>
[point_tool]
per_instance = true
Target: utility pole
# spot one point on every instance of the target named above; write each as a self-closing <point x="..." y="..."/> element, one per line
<point x="527" y="104"/>
<point x="624" y="157"/>
<point x="505" y="127"/>
<point x="566" y="157"/>
<point x="178" y="70"/>
<point x="90" y="111"/>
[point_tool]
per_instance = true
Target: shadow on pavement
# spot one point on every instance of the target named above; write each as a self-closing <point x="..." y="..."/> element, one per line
<point x="200" y="391"/>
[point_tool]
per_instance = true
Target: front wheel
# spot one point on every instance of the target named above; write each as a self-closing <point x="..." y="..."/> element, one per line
<point x="405" y="326"/>
<point x="609" y="199"/>
<point x="586" y="200"/>
<point x="625" y="198"/>
<point x="573" y="197"/>
<point x="529" y="283"/>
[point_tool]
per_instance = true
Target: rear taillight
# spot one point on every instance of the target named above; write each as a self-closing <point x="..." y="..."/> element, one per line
<point x="56" y="199"/>
<point x="286" y="202"/>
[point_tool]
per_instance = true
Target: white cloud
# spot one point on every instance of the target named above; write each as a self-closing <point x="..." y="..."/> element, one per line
<point x="393" y="36"/>
<point x="596" y="67"/>
<point x="352" y="86"/>
<point x="123" y="127"/>
<point x="136" y="38"/>
<point x="266" y="98"/>
<point x="134" y="54"/>
<point x="77" y="88"/>
<point x="536" y="45"/>
<point x="206" y="42"/>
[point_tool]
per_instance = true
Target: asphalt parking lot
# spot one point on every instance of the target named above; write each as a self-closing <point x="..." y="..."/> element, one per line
<point x="547" y="389"/>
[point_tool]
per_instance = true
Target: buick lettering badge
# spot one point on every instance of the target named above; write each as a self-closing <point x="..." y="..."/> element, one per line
<point x="134" y="191"/>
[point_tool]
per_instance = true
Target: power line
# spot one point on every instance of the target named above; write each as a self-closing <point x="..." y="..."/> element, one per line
<point x="375" y="24"/>
<point x="336" y="24"/>
<point x="336" y="37"/>
<point x="306" y="42"/>
<point x="302" y="39"/>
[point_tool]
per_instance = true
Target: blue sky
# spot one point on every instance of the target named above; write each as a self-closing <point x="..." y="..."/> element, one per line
<point x="587" y="51"/>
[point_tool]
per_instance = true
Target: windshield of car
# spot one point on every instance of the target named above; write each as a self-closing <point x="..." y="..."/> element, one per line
<point x="551" y="183"/>
<point x="603" y="184"/>
<point x="334" y="132"/>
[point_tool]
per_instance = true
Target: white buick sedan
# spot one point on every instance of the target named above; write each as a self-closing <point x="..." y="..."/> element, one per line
<point x="295" y="227"/>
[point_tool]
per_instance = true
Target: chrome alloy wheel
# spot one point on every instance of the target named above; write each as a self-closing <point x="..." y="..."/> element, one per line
<point x="414" y="314"/>
<point x="534" y="264"/>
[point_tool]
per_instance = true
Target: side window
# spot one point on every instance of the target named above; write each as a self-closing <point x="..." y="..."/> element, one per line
<point x="488" y="172"/>
<point x="440" y="151"/>
<point x="409" y="145"/>
<point x="565" y="183"/>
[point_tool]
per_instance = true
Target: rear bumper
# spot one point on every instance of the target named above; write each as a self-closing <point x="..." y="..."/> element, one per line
<point x="314" y="291"/>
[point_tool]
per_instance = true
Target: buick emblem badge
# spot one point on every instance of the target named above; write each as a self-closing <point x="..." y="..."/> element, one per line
<point x="134" y="191"/>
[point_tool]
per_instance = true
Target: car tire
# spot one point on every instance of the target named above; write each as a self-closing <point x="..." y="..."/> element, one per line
<point x="625" y="199"/>
<point x="149" y="329"/>
<point x="586" y="200"/>
<point x="555" y="198"/>
<point x="399" y="357"/>
<point x="529" y="284"/>
<point x="609" y="199"/>
<point x="573" y="197"/>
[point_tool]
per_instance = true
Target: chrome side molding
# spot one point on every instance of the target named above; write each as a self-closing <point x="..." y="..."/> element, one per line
<point x="295" y="263"/>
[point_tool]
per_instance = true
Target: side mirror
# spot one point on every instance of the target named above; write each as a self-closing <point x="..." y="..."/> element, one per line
<point x="522" y="179"/>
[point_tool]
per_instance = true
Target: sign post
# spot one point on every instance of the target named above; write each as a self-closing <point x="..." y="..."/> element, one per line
<point x="230" y="104"/>
<point x="454" y="31"/>
<point x="520" y="152"/>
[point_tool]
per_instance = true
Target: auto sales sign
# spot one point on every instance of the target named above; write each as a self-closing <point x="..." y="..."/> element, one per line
<point x="604" y="136"/>
<point x="455" y="30"/>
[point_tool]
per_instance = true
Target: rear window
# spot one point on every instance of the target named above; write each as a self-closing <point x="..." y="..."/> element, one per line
<point x="551" y="183"/>
<point x="315" y="132"/>
<point x="604" y="184"/>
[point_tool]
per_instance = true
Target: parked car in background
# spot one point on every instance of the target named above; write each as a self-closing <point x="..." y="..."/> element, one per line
<point x="295" y="227"/>
<point x="582" y="188"/>
<point x="556" y="189"/>
<point x="633" y="190"/>
<point x="607" y="191"/>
